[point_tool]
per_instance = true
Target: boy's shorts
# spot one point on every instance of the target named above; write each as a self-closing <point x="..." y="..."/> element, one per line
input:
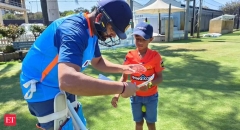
<point x="150" y="102"/>
<point x="44" y="108"/>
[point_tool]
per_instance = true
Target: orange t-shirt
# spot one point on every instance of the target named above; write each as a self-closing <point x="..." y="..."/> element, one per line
<point x="152" y="61"/>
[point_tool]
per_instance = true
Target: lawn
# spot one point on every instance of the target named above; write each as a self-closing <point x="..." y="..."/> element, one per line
<point x="200" y="90"/>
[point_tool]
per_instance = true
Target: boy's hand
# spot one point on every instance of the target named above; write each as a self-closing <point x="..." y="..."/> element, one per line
<point x="144" y="88"/>
<point x="114" y="101"/>
<point x="133" y="68"/>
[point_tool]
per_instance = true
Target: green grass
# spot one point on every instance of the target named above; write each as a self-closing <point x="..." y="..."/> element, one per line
<point x="200" y="90"/>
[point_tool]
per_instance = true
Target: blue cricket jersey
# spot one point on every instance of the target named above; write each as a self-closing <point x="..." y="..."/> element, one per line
<point x="69" y="38"/>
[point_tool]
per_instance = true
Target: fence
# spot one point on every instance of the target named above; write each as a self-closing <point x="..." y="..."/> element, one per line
<point x="6" y="41"/>
<point x="19" y="21"/>
<point x="120" y="43"/>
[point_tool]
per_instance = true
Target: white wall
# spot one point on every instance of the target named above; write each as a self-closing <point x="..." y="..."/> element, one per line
<point x="153" y="18"/>
<point x="53" y="11"/>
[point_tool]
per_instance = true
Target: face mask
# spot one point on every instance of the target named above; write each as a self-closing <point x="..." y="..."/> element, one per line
<point x="102" y="19"/>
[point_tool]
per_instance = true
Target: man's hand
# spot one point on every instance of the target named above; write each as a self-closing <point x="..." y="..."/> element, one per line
<point x="130" y="89"/>
<point x="133" y="68"/>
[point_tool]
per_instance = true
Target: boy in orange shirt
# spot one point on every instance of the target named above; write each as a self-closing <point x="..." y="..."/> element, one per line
<point x="145" y="103"/>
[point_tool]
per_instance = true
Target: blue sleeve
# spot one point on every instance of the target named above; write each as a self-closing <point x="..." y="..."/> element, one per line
<point x="97" y="52"/>
<point x="71" y="41"/>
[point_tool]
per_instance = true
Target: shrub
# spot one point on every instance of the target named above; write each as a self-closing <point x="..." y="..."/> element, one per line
<point x="37" y="30"/>
<point x="9" y="49"/>
<point x="11" y="31"/>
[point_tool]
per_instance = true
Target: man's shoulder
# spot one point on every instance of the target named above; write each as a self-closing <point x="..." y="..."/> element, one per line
<point x="76" y="21"/>
<point x="75" y="26"/>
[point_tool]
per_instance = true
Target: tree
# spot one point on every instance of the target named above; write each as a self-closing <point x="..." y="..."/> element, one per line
<point x="81" y="9"/>
<point x="66" y="13"/>
<point x="231" y="7"/>
<point x="30" y="16"/>
<point x="11" y="31"/>
<point x="93" y="8"/>
<point x="37" y="30"/>
<point x="9" y="16"/>
<point x="38" y="15"/>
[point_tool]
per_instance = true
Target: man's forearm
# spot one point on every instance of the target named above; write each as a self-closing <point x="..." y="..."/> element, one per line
<point x="84" y="85"/>
<point x="105" y="66"/>
<point x="122" y="79"/>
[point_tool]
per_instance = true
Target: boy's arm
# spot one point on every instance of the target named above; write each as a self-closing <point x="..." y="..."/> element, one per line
<point x="158" y="78"/>
<point x="116" y="96"/>
<point x="158" y="69"/>
<point x="104" y="65"/>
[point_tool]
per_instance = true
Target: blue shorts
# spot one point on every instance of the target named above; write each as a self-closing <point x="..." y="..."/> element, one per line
<point x="44" y="108"/>
<point x="150" y="102"/>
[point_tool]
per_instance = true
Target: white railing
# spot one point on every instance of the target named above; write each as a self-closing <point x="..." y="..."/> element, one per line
<point x="25" y="37"/>
<point x="4" y="42"/>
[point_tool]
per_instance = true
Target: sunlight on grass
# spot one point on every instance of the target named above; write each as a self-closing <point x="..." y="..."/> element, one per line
<point x="10" y="69"/>
<point x="14" y="106"/>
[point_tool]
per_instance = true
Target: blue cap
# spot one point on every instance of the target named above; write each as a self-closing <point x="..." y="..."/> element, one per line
<point x="120" y="14"/>
<point x="144" y="30"/>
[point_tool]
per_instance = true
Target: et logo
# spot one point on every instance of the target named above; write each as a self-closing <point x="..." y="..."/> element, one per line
<point x="10" y="119"/>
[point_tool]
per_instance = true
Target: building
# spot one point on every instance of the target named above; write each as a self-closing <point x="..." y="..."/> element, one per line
<point x="178" y="18"/>
<point x="208" y="13"/>
<point x="154" y="18"/>
<point x="16" y="5"/>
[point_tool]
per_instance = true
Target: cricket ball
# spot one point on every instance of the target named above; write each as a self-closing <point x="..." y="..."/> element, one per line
<point x="143" y="108"/>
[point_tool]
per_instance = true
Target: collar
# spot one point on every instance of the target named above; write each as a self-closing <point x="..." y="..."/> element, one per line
<point x="89" y="25"/>
<point x="145" y="57"/>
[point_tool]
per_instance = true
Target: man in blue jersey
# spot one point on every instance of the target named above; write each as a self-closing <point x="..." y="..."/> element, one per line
<point x="56" y="59"/>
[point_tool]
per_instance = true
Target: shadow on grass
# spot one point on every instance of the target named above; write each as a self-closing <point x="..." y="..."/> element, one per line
<point x="7" y="68"/>
<point x="198" y="70"/>
<point x="212" y="39"/>
<point x="199" y="75"/>
<point x="10" y="87"/>
<point x="2" y="63"/>
<point x="237" y="33"/>
<point x="190" y="40"/>
<point x="217" y="41"/>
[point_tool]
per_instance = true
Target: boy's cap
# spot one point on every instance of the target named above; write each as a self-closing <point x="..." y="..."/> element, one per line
<point x="120" y="13"/>
<point x="144" y="30"/>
